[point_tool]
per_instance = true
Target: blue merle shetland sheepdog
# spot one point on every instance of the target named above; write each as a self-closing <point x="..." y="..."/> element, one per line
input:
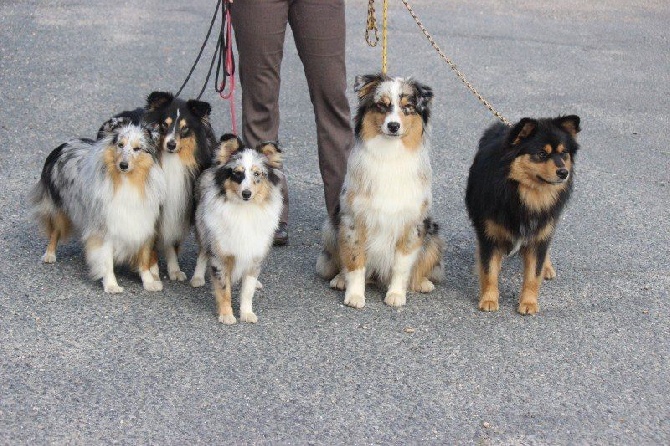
<point x="386" y="232"/>
<point x="239" y="202"/>
<point x="111" y="191"/>
<point x="185" y="150"/>
<point x="519" y="182"/>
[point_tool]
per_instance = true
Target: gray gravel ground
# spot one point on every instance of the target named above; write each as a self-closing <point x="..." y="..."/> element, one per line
<point x="81" y="367"/>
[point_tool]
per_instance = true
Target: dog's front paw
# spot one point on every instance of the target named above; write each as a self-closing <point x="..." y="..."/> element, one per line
<point x="354" y="300"/>
<point x="177" y="275"/>
<point x="113" y="289"/>
<point x="197" y="282"/>
<point x="488" y="302"/>
<point x="227" y="319"/>
<point x="259" y="285"/>
<point x="338" y="283"/>
<point x="548" y="272"/>
<point x="156" y="285"/>
<point x="49" y="257"/>
<point x="426" y="286"/>
<point x="528" y="307"/>
<point x="395" y="299"/>
<point x="249" y="317"/>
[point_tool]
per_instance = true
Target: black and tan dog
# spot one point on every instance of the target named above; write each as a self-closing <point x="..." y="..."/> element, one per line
<point x="519" y="183"/>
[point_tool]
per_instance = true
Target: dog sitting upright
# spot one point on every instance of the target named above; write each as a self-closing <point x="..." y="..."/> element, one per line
<point x="385" y="231"/>
<point x="519" y="182"/>
<point x="239" y="201"/>
<point x="186" y="147"/>
<point x="111" y="191"/>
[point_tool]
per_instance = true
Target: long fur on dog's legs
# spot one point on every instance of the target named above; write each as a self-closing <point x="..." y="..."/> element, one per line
<point x="144" y="268"/>
<point x="246" y="297"/>
<point x="396" y="296"/>
<point x="222" y="284"/>
<point x="174" y="272"/>
<point x="352" y="257"/>
<point x="198" y="278"/>
<point x="100" y="259"/>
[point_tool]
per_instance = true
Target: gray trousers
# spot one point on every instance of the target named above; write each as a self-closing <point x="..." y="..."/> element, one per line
<point x="319" y="31"/>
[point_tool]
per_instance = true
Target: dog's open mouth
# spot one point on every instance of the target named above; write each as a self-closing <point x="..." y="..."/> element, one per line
<point x="558" y="181"/>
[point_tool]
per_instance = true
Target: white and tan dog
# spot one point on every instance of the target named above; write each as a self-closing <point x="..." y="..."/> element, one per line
<point x="111" y="191"/>
<point x="385" y="232"/>
<point x="239" y="201"/>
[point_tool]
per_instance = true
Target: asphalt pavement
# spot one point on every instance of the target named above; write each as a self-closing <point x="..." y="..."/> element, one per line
<point x="81" y="367"/>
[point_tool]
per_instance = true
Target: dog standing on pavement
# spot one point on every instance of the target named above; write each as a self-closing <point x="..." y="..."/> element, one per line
<point x="385" y="232"/>
<point x="239" y="202"/>
<point x="110" y="190"/>
<point x="519" y="183"/>
<point x="186" y="147"/>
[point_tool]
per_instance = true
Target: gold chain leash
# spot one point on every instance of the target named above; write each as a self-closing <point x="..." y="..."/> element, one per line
<point x="371" y="25"/>
<point x="452" y="65"/>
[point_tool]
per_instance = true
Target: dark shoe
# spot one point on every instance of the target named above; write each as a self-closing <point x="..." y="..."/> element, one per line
<point x="281" y="235"/>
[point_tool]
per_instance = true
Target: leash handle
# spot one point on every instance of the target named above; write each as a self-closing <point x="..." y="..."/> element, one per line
<point x="228" y="63"/>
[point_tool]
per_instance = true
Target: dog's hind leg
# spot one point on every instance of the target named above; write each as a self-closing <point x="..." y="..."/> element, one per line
<point x="428" y="268"/>
<point x="174" y="272"/>
<point x="247" y="294"/>
<point x="57" y="227"/>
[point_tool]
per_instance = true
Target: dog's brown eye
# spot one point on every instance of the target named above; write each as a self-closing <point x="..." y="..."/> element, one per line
<point x="542" y="155"/>
<point x="185" y="132"/>
<point x="120" y="145"/>
<point x="408" y="109"/>
<point x="136" y="149"/>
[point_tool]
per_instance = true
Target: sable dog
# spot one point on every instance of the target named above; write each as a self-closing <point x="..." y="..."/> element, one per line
<point x="519" y="183"/>
<point x="385" y="232"/>
<point x="239" y="201"/>
<point x="111" y="190"/>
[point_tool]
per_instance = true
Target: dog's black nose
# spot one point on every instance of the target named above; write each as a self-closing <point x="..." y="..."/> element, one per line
<point x="246" y="194"/>
<point x="562" y="173"/>
<point x="171" y="145"/>
<point x="393" y="127"/>
<point x="123" y="165"/>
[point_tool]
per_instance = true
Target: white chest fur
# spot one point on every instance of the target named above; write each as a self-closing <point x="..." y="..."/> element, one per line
<point x="243" y="230"/>
<point x="131" y="218"/>
<point x="175" y="217"/>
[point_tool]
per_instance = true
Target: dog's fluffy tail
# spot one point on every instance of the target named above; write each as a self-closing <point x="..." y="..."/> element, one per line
<point x="328" y="262"/>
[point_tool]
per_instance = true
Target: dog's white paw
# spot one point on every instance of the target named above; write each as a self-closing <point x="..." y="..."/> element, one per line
<point x="197" y="282"/>
<point x="49" y="257"/>
<point x="177" y="275"/>
<point x="113" y="289"/>
<point x="395" y="299"/>
<point x="249" y="317"/>
<point x="426" y="286"/>
<point x="259" y="285"/>
<point x="354" y="300"/>
<point x="338" y="283"/>
<point x="156" y="285"/>
<point x="227" y="319"/>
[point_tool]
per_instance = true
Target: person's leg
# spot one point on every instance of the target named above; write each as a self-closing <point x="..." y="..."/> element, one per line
<point x="260" y="27"/>
<point x="319" y="31"/>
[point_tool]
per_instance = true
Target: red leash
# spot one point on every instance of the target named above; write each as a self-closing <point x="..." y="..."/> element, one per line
<point x="229" y="67"/>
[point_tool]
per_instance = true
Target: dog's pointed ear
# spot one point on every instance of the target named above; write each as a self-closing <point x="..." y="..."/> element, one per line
<point x="367" y="83"/>
<point x="112" y="125"/>
<point x="522" y="130"/>
<point x="424" y="98"/>
<point x="158" y="99"/>
<point x="228" y="145"/>
<point x="200" y="109"/>
<point x="569" y="123"/>
<point x="272" y="153"/>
